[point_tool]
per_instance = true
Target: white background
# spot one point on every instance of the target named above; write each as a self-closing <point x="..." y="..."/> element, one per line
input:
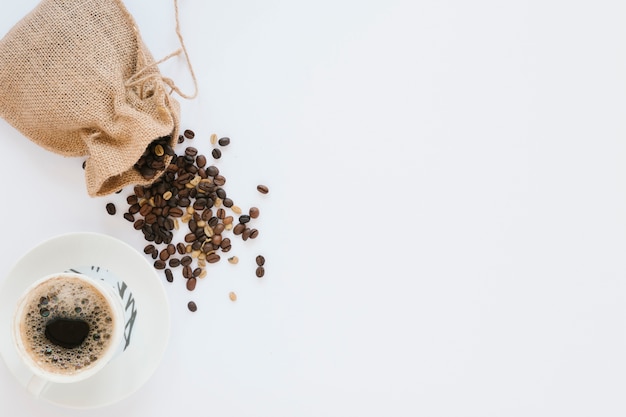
<point x="445" y="231"/>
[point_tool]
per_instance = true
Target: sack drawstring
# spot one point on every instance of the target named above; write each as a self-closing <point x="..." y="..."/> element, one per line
<point x="134" y="80"/>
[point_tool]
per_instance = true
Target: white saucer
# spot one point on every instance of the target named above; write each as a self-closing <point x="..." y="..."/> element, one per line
<point x="108" y="256"/>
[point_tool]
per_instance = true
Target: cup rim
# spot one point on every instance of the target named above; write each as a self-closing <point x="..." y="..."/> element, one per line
<point x="118" y="330"/>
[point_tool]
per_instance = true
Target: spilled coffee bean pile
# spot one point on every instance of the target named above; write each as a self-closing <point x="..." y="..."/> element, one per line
<point x="188" y="193"/>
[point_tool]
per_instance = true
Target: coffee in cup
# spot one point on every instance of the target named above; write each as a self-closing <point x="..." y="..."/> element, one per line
<point x="67" y="326"/>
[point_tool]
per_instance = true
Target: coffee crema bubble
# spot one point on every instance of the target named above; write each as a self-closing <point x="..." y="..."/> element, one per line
<point x="67" y="325"/>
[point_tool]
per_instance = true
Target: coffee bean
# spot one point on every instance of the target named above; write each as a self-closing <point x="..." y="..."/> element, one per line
<point x="111" y="209"/>
<point x="189" y="134"/>
<point x="168" y="275"/>
<point x="164" y="255"/>
<point x="192" y="306"/>
<point x="225" y="141"/>
<point x="228" y="202"/>
<point x="260" y="272"/>
<point x="233" y="260"/>
<point x="246" y="233"/>
<point x="138" y="225"/>
<point x="191" y="151"/>
<point x="239" y="229"/>
<point x="254" y="233"/>
<point x="244" y="219"/>
<point x="129" y="217"/>
<point x="196" y="272"/>
<point x="216" y="153"/>
<point x="174" y="262"/>
<point x="186" y="260"/>
<point x="187" y="272"/>
<point x="262" y="189"/>
<point x="180" y="248"/>
<point x="149" y="249"/>
<point x="232" y="296"/>
<point x="254" y="212"/>
<point x="159" y="264"/>
<point x="191" y="283"/>
<point x="260" y="260"/>
<point x="176" y="212"/>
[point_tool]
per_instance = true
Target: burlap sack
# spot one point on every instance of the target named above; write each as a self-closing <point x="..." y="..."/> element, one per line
<point x="76" y="78"/>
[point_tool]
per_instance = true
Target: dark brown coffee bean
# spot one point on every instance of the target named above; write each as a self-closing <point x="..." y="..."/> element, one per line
<point x="260" y="260"/>
<point x="213" y="171"/>
<point x="187" y="272"/>
<point x="191" y="284"/>
<point x="216" y="153"/>
<point x="218" y="229"/>
<point x="192" y="306"/>
<point x="159" y="264"/>
<point x="171" y="249"/>
<point x="149" y="249"/>
<point x="174" y="262"/>
<point x="239" y="228"/>
<point x="111" y="209"/>
<point x="190" y="237"/>
<point x="186" y="260"/>
<point x="191" y="151"/>
<point x="216" y="239"/>
<point x="134" y="209"/>
<point x="129" y="217"/>
<point x="132" y="199"/>
<point x="176" y="212"/>
<point x="246" y="233"/>
<point x="254" y="234"/>
<point x="228" y="202"/>
<point x="254" y="212"/>
<point x="213" y="258"/>
<point x="164" y="255"/>
<point x="260" y="272"/>
<point x="201" y="161"/>
<point x="168" y="275"/>
<point x="138" y="225"/>
<point x="244" y="218"/>
<point x="262" y="189"/>
<point x="197" y="272"/>
<point x="151" y="218"/>
<point x="145" y="209"/>
<point x="225" y="141"/>
<point x="219" y="180"/>
<point x="189" y="134"/>
<point x="180" y="248"/>
<point x="225" y="243"/>
<point x="221" y="193"/>
<point x="221" y="213"/>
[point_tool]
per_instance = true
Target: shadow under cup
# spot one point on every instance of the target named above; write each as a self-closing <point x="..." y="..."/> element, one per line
<point x="67" y="327"/>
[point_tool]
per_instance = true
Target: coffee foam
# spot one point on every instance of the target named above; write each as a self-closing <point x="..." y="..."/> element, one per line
<point x="66" y="297"/>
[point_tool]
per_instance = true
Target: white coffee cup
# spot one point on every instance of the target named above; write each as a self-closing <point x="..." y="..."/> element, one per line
<point x="52" y="316"/>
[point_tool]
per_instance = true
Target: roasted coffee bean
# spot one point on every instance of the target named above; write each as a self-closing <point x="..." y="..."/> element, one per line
<point x="168" y="275"/>
<point x="191" y="283"/>
<point x="186" y="260"/>
<point x="260" y="260"/>
<point x="239" y="228"/>
<point x="260" y="272"/>
<point x="145" y="209"/>
<point x="228" y="202"/>
<point x="219" y="180"/>
<point x="218" y="229"/>
<point x="213" y="258"/>
<point x="197" y="272"/>
<point x="159" y="264"/>
<point x="221" y="193"/>
<point x="134" y="209"/>
<point x="244" y="218"/>
<point x="149" y="249"/>
<point x="216" y="239"/>
<point x="174" y="262"/>
<point x="111" y="209"/>
<point x="191" y="151"/>
<point x="138" y="225"/>
<point x="262" y="189"/>
<point x="254" y="212"/>
<point x="216" y="153"/>
<point x="187" y="272"/>
<point x="213" y="171"/>
<point x="189" y="134"/>
<point x="176" y="212"/>
<point x="192" y="306"/>
<point x="254" y="233"/>
<point x="171" y="249"/>
<point x="246" y="233"/>
<point x="201" y="161"/>
<point x="151" y="218"/>
<point x="164" y="255"/>
<point x="180" y="248"/>
<point x="225" y="141"/>
<point x="129" y="217"/>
